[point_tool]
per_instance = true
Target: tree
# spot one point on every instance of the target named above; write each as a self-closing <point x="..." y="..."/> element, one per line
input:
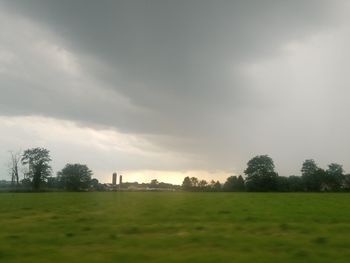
<point x="240" y="187"/>
<point x="54" y="183"/>
<point x="75" y="177"/>
<point x="296" y="184"/>
<point x="202" y="184"/>
<point x="234" y="184"/>
<point x="346" y="182"/>
<point x="282" y="184"/>
<point x="214" y="186"/>
<point x="186" y="184"/>
<point x="230" y="183"/>
<point x="313" y="176"/>
<point x="26" y="182"/>
<point x="15" y="159"/>
<point x="194" y="181"/>
<point x="334" y="177"/>
<point x="154" y="183"/>
<point x="217" y="186"/>
<point x="37" y="160"/>
<point x="95" y="184"/>
<point x="261" y="175"/>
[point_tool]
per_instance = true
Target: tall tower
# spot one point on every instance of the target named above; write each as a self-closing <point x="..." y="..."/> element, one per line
<point x="120" y="181"/>
<point x="114" y="179"/>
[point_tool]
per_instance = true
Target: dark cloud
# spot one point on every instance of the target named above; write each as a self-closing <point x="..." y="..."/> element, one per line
<point x="172" y="71"/>
<point x="179" y="53"/>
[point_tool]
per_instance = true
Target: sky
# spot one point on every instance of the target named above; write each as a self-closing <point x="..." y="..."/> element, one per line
<point x="166" y="89"/>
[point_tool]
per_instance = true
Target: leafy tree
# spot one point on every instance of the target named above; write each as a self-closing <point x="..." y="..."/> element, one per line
<point x="214" y="186"/>
<point x="261" y="175"/>
<point x="186" y="184"/>
<point x="346" y="182"/>
<point x="313" y="176"/>
<point x="37" y="160"/>
<point x="334" y="177"/>
<point x="230" y="183"/>
<point x="296" y="184"/>
<point x="321" y="179"/>
<point x="282" y="184"/>
<point x="54" y="183"/>
<point x="193" y="184"/>
<point x="217" y="186"/>
<point x="240" y="184"/>
<point x="26" y="183"/>
<point x="75" y="177"/>
<point x="154" y="183"/>
<point x="234" y="184"/>
<point x="95" y="184"/>
<point x="202" y="184"/>
<point x="194" y="181"/>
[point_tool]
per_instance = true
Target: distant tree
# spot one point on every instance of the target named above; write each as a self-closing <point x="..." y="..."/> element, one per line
<point x="261" y="175"/>
<point x="234" y="184"/>
<point x="334" y="177"/>
<point x="202" y="184"/>
<point x="154" y="183"/>
<point x="296" y="184"/>
<point x="95" y="185"/>
<point x="15" y="160"/>
<point x="4" y="185"/>
<point x="75" y="177"/>
<point x="194" y="184"/>
<point x="217" y="186"/>
<point x="240" y="184"/>
<point x="186" y="184"/>
<point x="54" y="183"/>
<point x="321" y="179"/>
<point x="282" y="184"/>
<point x="214" y="186"/>
<point x="346" y="182"/>
<point x="230" y="183"/>
<point x="194" y="181"/>
<point x="37" y="160"/>
<point x="313" y="176"/>
<point x="26" y="183"/>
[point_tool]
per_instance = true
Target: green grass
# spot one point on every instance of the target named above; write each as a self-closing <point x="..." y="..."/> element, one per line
<point x="174" y="227"/>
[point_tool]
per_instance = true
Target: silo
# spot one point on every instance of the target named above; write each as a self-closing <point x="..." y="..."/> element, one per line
<point x="114" y="179"/>
<point x="120" y="181"/>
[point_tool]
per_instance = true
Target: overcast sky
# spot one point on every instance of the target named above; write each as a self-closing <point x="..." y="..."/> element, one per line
<point x="169" y="88"/>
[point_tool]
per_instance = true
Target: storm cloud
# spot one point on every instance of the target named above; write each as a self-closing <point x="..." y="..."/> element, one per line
<point x="202" y="85"/>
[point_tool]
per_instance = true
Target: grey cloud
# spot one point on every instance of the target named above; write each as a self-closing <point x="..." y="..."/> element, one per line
<point x="177" y="49"/>
<point x="171" y="70"/>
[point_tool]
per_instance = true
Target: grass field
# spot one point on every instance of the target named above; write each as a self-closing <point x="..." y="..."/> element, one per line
<point x="174" y="227"/>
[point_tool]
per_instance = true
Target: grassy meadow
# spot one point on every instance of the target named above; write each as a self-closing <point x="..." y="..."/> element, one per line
<point x="174" y="227"/>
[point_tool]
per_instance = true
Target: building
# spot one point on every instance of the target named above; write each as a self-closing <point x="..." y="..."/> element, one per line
<point x="114" y="179"/>
<point x="120" y="181"/>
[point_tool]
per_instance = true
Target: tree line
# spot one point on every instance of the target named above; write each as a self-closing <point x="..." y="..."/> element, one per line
<point x="37" y="176"/>
<point x="37" y="173"/>
<point x="260" y="176"/>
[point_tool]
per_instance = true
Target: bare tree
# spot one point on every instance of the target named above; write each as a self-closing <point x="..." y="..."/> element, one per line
<point x="15" y="160"/>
